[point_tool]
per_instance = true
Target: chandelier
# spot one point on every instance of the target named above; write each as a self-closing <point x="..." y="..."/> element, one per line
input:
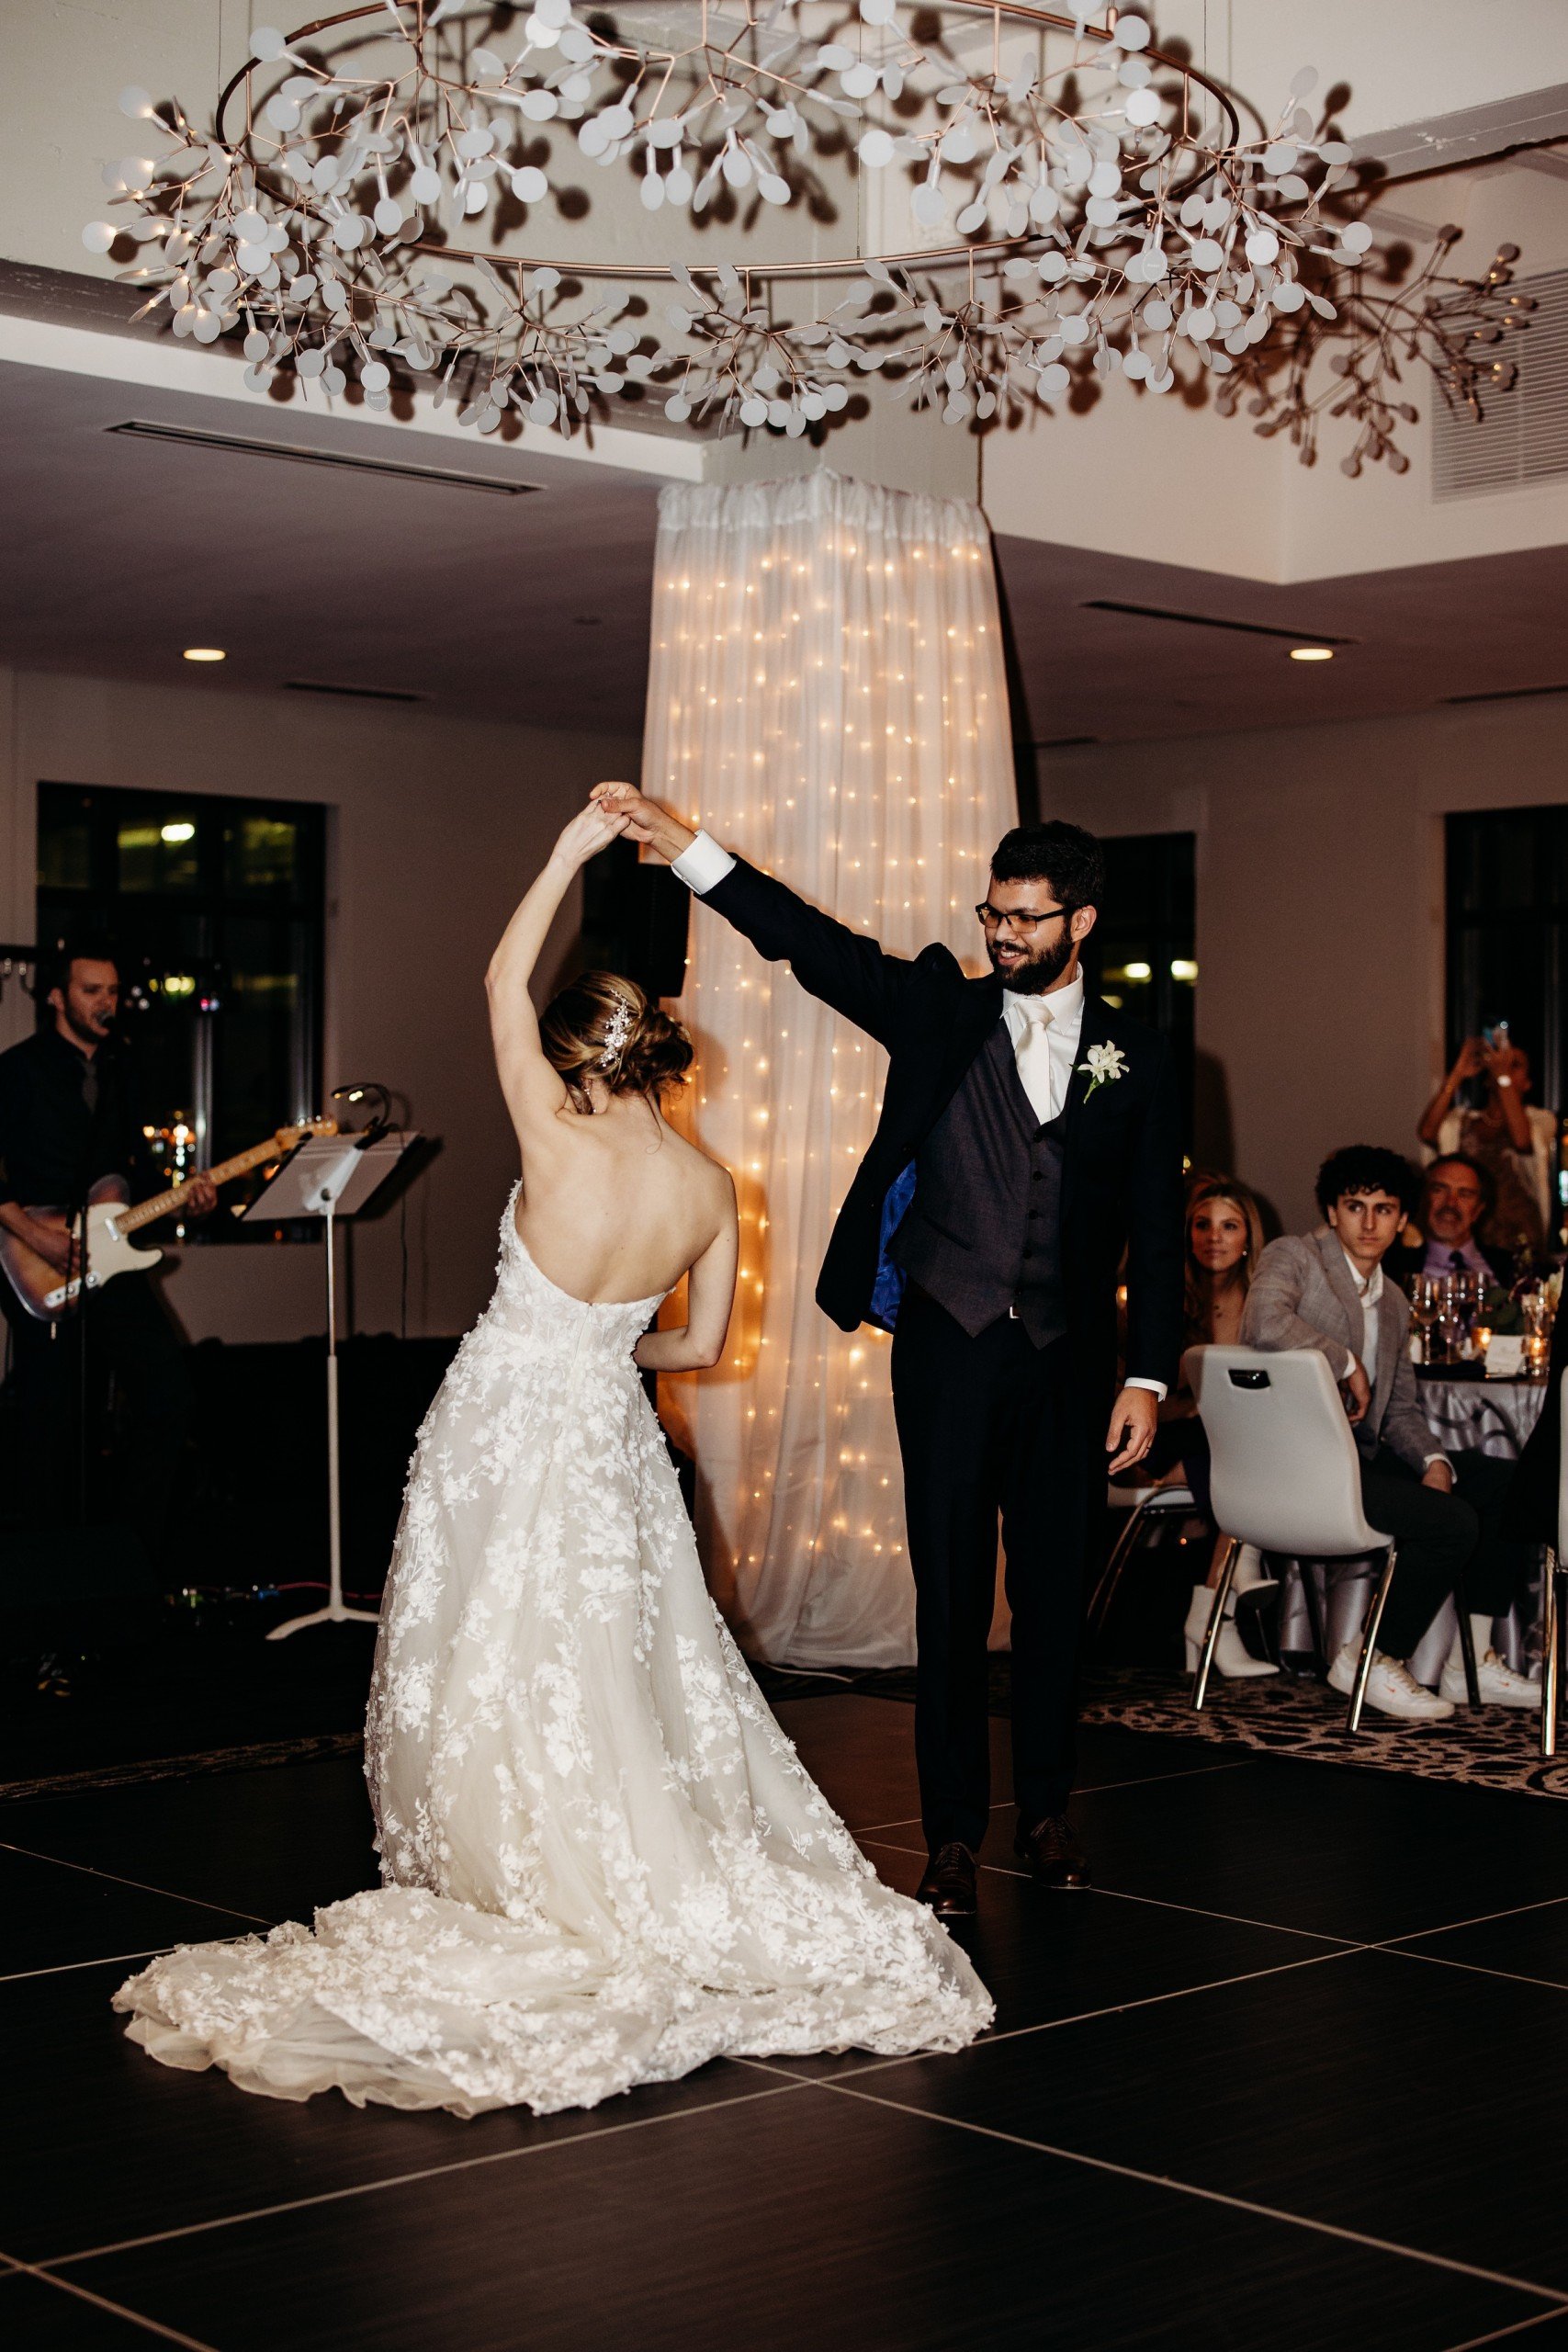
<point x="1019" y="207"/>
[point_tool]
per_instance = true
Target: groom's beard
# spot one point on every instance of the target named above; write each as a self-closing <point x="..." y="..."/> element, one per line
<point x="1034" y="973"/>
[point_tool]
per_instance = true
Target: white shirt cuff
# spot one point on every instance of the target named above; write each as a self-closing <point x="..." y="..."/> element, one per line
<point x="701" y="864"/>
<point x="1155" y="1387"/>
<point x="1428" y="1459"/>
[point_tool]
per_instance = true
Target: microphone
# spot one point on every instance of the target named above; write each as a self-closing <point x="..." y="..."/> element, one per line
<point x="381" y="1112"/>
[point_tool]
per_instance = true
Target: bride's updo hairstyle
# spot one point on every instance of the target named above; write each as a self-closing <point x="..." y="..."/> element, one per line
<point x="603" y="1026"/>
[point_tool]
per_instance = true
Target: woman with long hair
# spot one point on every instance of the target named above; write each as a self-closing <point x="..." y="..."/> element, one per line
<point x="601" y="1861"/>
<point x="1225" y="1239"/>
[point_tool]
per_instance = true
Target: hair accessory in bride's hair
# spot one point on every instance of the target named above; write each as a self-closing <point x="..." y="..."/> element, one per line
<point x="617" y="1036"/>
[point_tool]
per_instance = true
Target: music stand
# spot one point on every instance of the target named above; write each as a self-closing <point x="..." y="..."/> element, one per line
<point x="330" y="1177"/>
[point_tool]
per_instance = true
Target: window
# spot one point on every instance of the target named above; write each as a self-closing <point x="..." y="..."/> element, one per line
<point x="217" y="910"/>
<point x="1508" y="935"/>
<point x="1140" y="953"/>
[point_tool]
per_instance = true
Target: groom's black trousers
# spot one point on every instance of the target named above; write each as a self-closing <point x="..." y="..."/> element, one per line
<point x="989" y="1427"/>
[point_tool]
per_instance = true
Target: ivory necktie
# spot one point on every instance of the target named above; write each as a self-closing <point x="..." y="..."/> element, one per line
<point x="1032" y="1055"/>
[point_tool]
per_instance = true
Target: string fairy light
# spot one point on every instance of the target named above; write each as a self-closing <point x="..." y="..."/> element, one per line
<point x="883" y="822"/>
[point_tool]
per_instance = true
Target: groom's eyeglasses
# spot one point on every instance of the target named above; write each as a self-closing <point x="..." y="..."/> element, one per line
<point x="992" y="919"/>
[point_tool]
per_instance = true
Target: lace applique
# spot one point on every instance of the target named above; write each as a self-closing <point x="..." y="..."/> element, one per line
<point x="603" y="1862"/>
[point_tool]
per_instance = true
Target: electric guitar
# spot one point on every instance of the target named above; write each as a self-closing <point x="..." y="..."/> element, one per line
<point x="46" y="1294"/>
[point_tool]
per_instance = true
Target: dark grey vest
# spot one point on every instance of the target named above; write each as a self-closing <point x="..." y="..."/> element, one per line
<point x="984" y="1232"/>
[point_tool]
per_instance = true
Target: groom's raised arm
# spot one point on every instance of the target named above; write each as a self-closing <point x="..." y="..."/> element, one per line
<point x="851" y="973"/>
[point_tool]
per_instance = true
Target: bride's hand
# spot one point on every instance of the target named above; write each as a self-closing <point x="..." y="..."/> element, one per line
<point x="647" y="821"/>
<point x="639" y="812"/>
<point x="592" y="829"/>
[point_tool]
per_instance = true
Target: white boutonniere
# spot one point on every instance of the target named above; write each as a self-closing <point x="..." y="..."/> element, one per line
<point x="1104" y="1063"/>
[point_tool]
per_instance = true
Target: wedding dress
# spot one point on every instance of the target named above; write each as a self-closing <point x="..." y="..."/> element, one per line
<point x="603" y="1862"/>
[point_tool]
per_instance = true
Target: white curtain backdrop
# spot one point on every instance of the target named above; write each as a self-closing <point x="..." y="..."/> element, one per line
<point x="827" y="697"/>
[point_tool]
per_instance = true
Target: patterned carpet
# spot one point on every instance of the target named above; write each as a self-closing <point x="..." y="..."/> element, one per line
<point x="1496" y="1747"/>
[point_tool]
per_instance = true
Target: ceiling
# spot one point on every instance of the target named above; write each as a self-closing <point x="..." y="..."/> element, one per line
<point x="535" y="608"/>
<point x="528" y="607"/>
<point x="1414" y="639"/>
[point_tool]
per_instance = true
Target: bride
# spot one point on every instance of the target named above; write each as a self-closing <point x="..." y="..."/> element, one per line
<point x="601" y="1861"/>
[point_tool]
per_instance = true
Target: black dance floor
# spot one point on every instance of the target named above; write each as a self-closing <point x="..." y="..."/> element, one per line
<point x="1294" y="2074"/>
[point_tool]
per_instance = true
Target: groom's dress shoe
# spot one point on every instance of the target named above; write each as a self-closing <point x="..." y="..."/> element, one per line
<point x="1053" y="1853"/>
<point x="949" y="1882"/>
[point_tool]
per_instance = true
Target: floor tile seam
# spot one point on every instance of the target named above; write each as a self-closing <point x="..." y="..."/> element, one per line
<point x="57" y="2262"/>
<point x="1499" y="2335"/>
<point x="1197" y="1910"/>
<point x="1096" y="1789"/>
<point x="1482" y="1919"/>
<point x="102" y="1959"/>
<point x="113" y="1878"/>
<point x="105" y="2303"/>
<point x="1555" y="2295"/>
<point x="1469" y="1967"/>
<point x="1081" y="2016"/>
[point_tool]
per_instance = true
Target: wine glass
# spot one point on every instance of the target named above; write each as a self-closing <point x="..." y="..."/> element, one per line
<point x="1423" y="1309"/>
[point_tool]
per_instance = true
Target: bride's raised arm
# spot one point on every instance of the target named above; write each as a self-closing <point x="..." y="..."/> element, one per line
<point x="533" y="1089"/>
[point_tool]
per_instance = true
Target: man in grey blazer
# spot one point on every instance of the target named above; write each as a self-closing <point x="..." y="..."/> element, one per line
<point x="1328" y="1290"/>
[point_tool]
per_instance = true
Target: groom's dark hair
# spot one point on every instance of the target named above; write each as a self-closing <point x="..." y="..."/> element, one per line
<point x="1064" y="855"/>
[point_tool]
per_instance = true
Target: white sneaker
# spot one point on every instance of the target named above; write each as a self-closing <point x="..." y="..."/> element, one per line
<point x="1498" y="1684"/>
<point x="1392" y="1689"/>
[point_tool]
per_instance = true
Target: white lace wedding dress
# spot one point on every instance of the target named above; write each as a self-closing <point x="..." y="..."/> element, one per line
<point x="603" y="1862"/>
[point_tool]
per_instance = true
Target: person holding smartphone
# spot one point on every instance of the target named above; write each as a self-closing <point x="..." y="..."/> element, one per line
<point x="1514" y="1144"/>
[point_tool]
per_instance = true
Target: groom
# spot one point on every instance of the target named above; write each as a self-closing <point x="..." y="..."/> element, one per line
<point x="1028" y="1135"/>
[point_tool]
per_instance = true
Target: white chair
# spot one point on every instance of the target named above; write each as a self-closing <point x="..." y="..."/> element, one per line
<point x="1142" y="1504"/>
<point x="1552" y="1594"/>
<point x="1286" y="1477"/>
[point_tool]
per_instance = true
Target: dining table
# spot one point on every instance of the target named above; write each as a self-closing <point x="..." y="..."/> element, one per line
<point x="1468" y="1413"/>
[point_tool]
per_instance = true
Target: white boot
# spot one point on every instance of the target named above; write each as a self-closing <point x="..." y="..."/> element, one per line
<point x="1231" y="1656"/>
<point x="1249" y="1576"/>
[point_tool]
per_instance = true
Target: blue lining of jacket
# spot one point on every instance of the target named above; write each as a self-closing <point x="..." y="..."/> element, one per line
<point x="887" y="1290"/>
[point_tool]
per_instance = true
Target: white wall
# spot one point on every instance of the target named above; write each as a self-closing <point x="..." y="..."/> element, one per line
<point x="1320" y="910"/>
<point x="438" y="827"/>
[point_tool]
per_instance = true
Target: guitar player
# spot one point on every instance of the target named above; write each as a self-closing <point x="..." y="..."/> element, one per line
<point x="71" y="1131"/>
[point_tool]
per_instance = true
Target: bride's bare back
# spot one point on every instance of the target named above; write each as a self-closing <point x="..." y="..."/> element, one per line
<point x="615" y="1206"/>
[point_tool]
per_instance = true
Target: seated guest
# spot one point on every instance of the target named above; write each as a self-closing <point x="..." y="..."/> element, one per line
<point x="1457" y="1195"/>
<point x="1225" y="1242"/>
<point x="1326" y="1290"/>
<point x="1517" y="1144"/>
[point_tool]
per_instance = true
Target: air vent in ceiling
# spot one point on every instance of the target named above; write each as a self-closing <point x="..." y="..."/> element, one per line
<point x="1508" y="694"/>
<point x="1059" y="744"/>
<point x="1523" y="434"/>
<point x="357" y="693"/>
<point x="1212" y="620"/>
<point x="341" y="460"/>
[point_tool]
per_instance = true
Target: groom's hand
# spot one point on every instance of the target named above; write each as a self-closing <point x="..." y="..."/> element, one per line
<point x="1133" y="1418"/>
<point x="646" y="820"/>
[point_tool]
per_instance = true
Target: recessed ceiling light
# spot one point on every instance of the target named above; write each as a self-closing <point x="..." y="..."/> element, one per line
<point x="1311" y="653"/>
<point x="184" y="831"/>
<point x="205" y="653"/>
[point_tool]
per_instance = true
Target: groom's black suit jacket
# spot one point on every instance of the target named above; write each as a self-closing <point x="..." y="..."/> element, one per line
<point x="1121" y="1172"/>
